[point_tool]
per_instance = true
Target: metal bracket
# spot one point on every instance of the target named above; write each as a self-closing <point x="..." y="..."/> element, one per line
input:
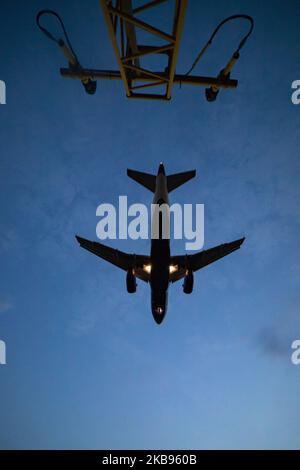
<point x="123" y="25"/>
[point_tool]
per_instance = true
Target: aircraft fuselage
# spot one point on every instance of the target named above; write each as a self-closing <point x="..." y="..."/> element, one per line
<point x="160" y="254"/>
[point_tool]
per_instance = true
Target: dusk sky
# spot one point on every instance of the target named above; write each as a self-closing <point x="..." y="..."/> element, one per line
<point x="87" y="367"/>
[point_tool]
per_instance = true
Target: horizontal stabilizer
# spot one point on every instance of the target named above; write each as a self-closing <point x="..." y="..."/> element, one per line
<point x="174" y="181"/>
<point x="145" y="179"/>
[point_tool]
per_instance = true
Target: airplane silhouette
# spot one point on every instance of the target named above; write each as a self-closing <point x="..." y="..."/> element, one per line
<point x="160" y="268"/>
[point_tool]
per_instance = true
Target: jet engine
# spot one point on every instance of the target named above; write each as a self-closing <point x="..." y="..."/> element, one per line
<point x="188" y="283"/>
<point x="130" y="282"/>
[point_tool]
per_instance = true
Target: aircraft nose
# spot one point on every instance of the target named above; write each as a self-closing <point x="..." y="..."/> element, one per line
<point x="159" y="302"/>
<point x="158" y="314"/>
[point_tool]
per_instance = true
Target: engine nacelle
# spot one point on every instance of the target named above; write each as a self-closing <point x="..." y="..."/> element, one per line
<point x="131" y="282"/>
<point x="188" y="283"/>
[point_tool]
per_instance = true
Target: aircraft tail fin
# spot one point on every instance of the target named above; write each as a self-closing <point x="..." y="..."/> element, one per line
<point x="176" y="180"/>
<point x="145" y="179"/>
<point x="149" y="181"/>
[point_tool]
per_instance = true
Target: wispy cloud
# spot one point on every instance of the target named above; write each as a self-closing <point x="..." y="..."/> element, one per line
<point x="8" y="238"/>
<point x="5" y="305"/>
<point x="275" y="340"/>
<point x="84" y="323"/>
<point x="272" y="342"/>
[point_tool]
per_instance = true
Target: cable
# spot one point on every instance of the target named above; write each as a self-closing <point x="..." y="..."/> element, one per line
<point x="60" y="42"/>
<point x="209" y="42"/>
<point x="89" y="84"/>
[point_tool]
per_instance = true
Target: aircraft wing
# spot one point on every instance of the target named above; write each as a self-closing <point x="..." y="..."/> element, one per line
<point x="202" y="259"/>
<point x="118" y="258"/>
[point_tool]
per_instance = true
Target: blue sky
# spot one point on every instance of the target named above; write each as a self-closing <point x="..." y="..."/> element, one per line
<point x="87" y="366"/>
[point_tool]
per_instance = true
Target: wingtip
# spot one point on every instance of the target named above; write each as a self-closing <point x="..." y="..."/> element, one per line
<point x="238" y="243"/>
<point x="79" y="239"/>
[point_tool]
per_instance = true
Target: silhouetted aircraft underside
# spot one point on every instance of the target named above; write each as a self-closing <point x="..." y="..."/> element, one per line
<point x="160" y="268"/>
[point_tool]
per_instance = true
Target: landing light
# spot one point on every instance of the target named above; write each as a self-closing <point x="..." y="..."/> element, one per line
<point x="173" y="269"/>
<point x="147" y="268"/>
